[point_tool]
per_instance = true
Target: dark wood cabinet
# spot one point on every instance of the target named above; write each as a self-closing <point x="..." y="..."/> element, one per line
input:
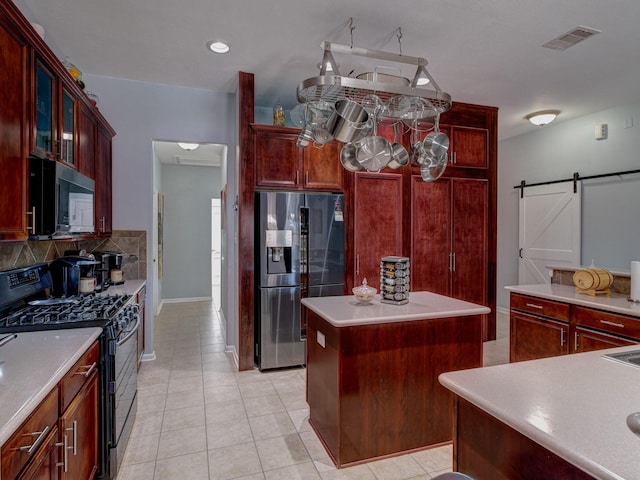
<point x="44" y="113"/>
<point x="79" y="433"/>
<point x="14" y="94"/>
<point x="103" y="192"/>
<point x="86" y="132"/>
<point x="43" y="465"/>
<point x="373" y="389"/>
<point x="281" y="164"/>
<point x="468" y="147"/>
<point x="449" y="237"/>
<point x="535" y="337"/>
<point x="544" y="328"/>
<point x="377" y="225"/>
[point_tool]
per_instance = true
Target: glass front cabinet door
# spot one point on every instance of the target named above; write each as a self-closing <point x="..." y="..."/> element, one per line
<point x="67" y="150"/>
<point x="44" y="131"/>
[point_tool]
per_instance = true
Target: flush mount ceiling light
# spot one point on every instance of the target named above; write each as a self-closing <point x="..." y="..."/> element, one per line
<point x="188" y="146"/>
<point x="543" y="117"/>
<point x="218" y="47"/>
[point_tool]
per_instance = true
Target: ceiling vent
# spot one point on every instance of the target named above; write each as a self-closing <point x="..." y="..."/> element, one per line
<point x="196" y="162"/>
<point x="570" y="38"/>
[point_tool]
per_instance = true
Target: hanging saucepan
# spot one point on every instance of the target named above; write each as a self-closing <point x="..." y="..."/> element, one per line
<point x="347" y="121"/>
<point x="348" y="157"/>
<point x="399" y="154"/>
<point x="418" y="153"/>
<point x="436" y="143"/>
<point x="433" y="167"/>
<point x="318" y="116"/>
<point x="374" y="152"/>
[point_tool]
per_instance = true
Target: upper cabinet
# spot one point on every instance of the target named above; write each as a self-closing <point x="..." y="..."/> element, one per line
<point x="43" y="113"/>
<point x="468" y="147"/>
<point x="281" y="164"/>
<point x="14" y="94"/>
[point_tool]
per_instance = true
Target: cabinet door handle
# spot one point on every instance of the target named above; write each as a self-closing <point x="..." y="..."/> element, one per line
<point x="34" y="446"/>
<point x="297" y="176"/>
<point x="306" y="177"/>
<point x="453" y="263"/>
<point x="454" y="157"/>
<point x="575" y="341"/>
<point x="533" y="305"/>
<point x="33" y="219"/>
<point x="562" y="339"/>
<point x="520" y="253"/>
<point x="74" y="432"/>
<point x="613" y="324"/>
<point x="90" y="368"/>
<point x="357" y="265"/>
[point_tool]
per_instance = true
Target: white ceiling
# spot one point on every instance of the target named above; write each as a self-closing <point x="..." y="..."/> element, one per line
<point x="486" y="52"/>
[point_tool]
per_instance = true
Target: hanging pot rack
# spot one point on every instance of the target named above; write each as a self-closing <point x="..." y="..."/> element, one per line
<point x="331" y="86"/>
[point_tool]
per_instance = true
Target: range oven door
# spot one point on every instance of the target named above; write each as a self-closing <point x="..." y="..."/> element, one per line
<point x="124" y="398"/>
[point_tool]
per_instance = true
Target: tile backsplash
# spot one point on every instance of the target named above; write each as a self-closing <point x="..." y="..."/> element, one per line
<point x="131" y="243"/>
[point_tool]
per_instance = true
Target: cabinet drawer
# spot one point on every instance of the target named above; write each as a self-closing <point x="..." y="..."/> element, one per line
<point x="73" y="381"/>
<point x="27" y="439"/>
<point x="608" y="322"/>
<point x="539" y="306"/>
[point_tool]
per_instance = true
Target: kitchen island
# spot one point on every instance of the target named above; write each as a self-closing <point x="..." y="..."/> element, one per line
<point x="372" y="371"/>
<point x="559" y="417"/>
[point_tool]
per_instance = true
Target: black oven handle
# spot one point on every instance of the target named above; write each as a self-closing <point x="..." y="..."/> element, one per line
<point x="131" y="332"/>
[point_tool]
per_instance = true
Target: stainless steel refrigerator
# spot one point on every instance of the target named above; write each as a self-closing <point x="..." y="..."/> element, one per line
<point x="299" y="253"/>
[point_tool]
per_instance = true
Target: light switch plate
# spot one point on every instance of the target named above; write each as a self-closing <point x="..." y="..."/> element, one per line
<point x="601" y="131"/>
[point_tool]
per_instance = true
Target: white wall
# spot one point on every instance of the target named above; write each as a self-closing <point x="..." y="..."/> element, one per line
<point x="188" y="191"/>
<point x="611" y="207"/>
<point x="141" y="112"/>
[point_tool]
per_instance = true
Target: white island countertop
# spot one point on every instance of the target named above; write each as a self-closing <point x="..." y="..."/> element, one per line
<point x="31" y="365"/>
<point x="573" y="405"/>
<point x="345" y="311"/>
<point x="565" y="293"/>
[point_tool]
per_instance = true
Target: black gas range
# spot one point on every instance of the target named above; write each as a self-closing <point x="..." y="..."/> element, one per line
<point x="25" y="305"/>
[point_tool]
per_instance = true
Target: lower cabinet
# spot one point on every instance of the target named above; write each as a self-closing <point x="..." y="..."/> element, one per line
<point x="43" y="465"/>
<point x="59" y="440"/>
<point x="79" y="435"/>
<point x="537" y="337"/>
<point x="542" y="328"/>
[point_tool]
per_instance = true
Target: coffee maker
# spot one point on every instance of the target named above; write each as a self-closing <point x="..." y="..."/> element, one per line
<point x="102" y="270"/>
<point x="69" y="275"/>
<point x="110" y="263"/>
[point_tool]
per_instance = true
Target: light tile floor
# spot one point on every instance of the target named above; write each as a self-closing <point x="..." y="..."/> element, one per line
<point x="198" y="418"/>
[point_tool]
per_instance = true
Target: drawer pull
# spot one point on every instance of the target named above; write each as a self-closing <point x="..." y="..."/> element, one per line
<point x="90" y="368"/>
<point x="613" y="324"/>
<point x="562" y="339"/>
<point x="533" y="305"/>
<point x="41" y="436"/>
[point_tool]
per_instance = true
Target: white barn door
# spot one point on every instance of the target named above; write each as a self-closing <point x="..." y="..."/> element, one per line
<point x="550" y="230"/>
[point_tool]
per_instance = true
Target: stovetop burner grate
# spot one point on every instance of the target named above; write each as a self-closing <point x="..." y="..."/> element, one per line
<point x="82" y="308"/>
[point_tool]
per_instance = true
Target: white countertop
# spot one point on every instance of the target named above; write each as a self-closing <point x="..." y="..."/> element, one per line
<point x="345" y="311"/>
<point x="31" y="365"/>
<point x="573" y="405"/>
<point x="129" y="287"/>
<point x="566" y="293"/>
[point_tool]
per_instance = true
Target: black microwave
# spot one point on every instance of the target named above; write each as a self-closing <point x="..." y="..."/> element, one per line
<point x="61" y="200"/>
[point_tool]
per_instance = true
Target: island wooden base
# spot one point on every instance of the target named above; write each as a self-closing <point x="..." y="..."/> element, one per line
<point x="373" y="390"/>
<point x="485" y="447"/>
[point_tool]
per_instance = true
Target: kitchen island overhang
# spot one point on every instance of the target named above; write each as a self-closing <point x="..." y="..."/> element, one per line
<point x="372" y="371"/>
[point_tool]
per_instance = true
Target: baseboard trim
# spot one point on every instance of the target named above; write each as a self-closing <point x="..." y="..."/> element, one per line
<point x="149" y="357"/>
<point x="183" y="300"/>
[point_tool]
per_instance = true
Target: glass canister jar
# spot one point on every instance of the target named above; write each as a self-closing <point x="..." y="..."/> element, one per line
<point x="278" y="114"/>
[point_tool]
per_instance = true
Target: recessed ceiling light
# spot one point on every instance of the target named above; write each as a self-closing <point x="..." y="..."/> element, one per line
<point x="218" y="47"/>
<point x="188" y="146"/>
<point x="542" y="117"/>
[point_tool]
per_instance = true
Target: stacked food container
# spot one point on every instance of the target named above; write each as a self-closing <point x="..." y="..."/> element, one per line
<point x="394" y="280"/>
